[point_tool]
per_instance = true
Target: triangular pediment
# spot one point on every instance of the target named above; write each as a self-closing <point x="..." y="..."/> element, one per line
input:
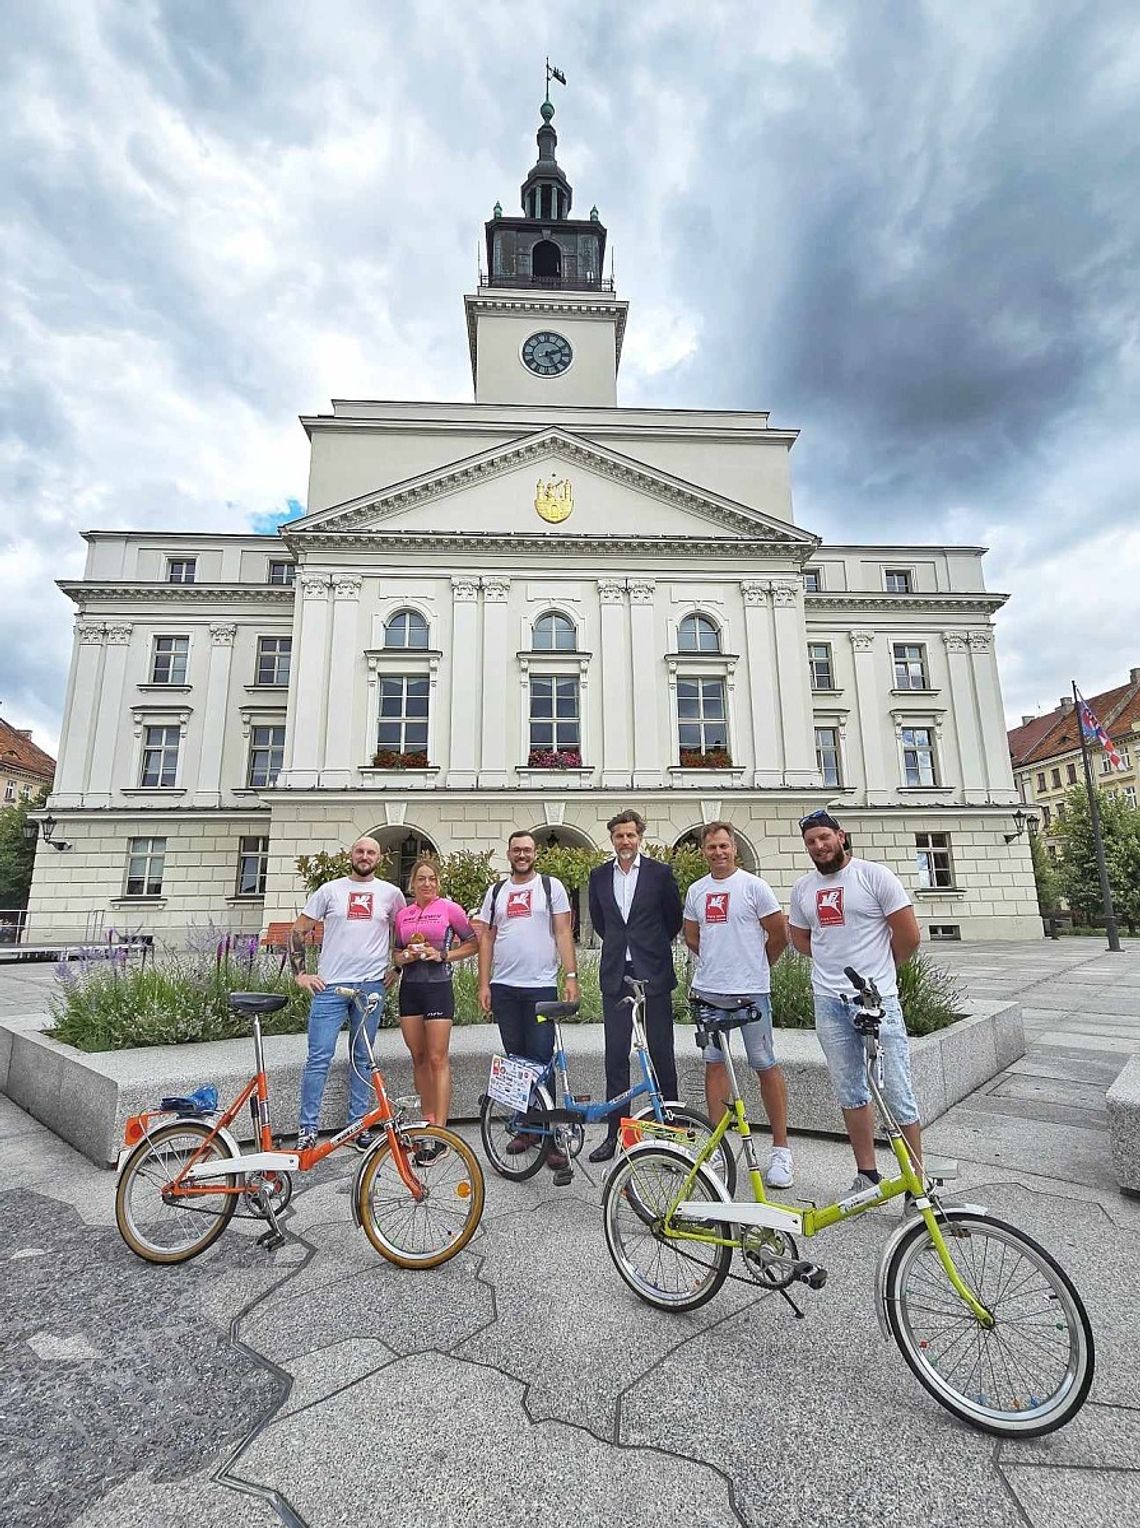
<point x="500" y="491"/>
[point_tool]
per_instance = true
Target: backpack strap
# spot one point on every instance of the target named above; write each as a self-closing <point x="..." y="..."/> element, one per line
<point x="545" y="879"/>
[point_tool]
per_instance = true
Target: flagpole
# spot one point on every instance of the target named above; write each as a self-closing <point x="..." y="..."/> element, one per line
<point x="1098" y="841"/>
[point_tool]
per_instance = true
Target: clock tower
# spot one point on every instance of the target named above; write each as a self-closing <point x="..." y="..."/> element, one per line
<point x="545" y="326"/>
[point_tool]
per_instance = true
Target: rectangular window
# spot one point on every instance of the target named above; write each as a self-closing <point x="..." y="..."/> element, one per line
<point x="910" y="666"/>
<point x="819" y="664"/>
<point x="1130" y="795"/>
<point x="1071" y="773"/>
<point x="253" y="866"/>
<point x="403" y="724"/>
<point x="281" y="572"/>
<point x="1061" y="811"/>
<point x="813" y="583"/>
<point x="181" y="570"/>
<point x="273" y="656"/>
<point x="160" y="756"/>
<point x="918" y="757"/>
<point x="168" y="665"/>
<point x="932" y="855"/>
<point x="702" y="718"/>
<point x="897" y="580"/>
<point x="266" y="755"/>
<point x="1046" y="815"/>
<point x="9" y="790"/>
<point x="827" y="754"/>
<point x="945" y="931"/>
<point x="1040" y="779"/>
<point x="146" y="861"/>
<point x="554" y="717"/>
<point x="1055" y="778"/>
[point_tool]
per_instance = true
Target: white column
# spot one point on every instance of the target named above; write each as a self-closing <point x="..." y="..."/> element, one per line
<point x="991" y="718"/>
<point x="793" y="683"/>
<point x="208" y="787"/>
<point x="964" y="710"/>
<point x="308" y="688"/>
<point x="496" y="666"/>
<point x="76" y="744"/>
<point x="767" y="734"/>
<point x="880" y="781"/>
<point x="345" y="650"/>
<point x="108" y="724"/>
<point x="465" y="687"/>
<point x="614" y="651"/>
<point x="648" y="771"/>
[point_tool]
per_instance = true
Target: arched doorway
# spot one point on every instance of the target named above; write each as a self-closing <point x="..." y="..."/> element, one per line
<point x="546" y="260"/>
<point x="402" y="846"/>
<point x="745" y="854"/>
<point x="547" y="836"/>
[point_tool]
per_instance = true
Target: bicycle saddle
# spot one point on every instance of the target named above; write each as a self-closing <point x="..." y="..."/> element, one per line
<point x="250" y="1003"/>
<point x="714" y="1012"/>
<point x="555" y="1010"/>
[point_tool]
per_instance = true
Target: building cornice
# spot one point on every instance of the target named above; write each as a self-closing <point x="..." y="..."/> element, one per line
<point x="545" y="543"/>
<point x="539" y="303"/>
<point x="857" y="600"/>
<point x="130" y="590"/>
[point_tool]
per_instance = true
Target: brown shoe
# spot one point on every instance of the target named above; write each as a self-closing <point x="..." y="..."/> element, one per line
<point x="523" y="1142"/>
<point x="557" y="1160"/>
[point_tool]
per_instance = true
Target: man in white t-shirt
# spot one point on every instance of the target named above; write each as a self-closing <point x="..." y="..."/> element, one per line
<point x="734" y="926"/>
<point x="359" y="916"/>
<point x="522" y="940"/>
<point x="850" y="912"/>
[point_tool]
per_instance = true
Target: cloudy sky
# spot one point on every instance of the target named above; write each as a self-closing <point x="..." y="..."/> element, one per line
<point x="908" y="229"/>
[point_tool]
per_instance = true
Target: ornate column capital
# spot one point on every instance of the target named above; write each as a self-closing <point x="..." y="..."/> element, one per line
<point x="641" y="591"/>
<point x="346" y="587"/>
<point x="119" y="634"/>
<point x="465" y="591"/>
<point x="314" y="586"/>
<point x="862" y="641"/>
<point x="222" y="634"/>
<point x="611" y="591"/>
<point x="956" y="641"/>
<point x="496" y="591"/>
<point x="980" y="641"/>
<point x="754" y="592"/>
<point x="90" y="633"/>
<point x="785" y="592"/>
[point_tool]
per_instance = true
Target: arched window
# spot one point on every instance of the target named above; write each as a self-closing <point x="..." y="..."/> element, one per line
<point x="407" y="628"/>
<point x="554" y="633"/>
<point x="546" y="257"/>
<point x="697" y="634"/>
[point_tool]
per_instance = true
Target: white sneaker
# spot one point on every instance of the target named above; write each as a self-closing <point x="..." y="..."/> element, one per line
<point x="779" y="1173"/>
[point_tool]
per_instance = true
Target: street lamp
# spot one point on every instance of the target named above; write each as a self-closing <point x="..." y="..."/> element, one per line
<point x="45" y="829"/>
<point x="1021" y="821"/>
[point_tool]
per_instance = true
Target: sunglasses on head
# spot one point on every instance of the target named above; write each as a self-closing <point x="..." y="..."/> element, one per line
<point x="820" y="819"/>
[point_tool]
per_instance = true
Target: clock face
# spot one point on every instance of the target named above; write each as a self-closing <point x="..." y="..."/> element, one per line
<point x="547" y="354"/>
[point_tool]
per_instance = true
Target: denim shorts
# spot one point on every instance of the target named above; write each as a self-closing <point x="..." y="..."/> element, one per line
<point x="757" y="1036"/>
<point x="843" y="1047"/>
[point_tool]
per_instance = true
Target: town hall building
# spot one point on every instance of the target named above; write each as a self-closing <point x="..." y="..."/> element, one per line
<point x="529" y="610"/>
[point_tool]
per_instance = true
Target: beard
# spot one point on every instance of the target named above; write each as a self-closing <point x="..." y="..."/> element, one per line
<point x="830" y="866"/>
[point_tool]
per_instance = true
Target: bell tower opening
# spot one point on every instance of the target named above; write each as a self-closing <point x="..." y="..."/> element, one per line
<point x="546" y="261"/>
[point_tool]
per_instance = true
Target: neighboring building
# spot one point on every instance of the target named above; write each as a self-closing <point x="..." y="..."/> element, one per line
<point x="528" y="610"/>
<point x="25" y="769"/>
<point x="1045" y="752"/>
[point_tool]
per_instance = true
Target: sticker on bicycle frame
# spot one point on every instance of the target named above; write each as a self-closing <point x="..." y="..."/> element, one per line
<point x="511" y="1080"/>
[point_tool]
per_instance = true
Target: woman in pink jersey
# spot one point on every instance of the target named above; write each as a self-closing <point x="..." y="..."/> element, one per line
<point x="431" y="934"/>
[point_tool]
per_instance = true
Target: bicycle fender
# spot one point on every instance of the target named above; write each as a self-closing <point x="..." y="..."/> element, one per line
<point x="896" y="1237"/>
<point x="222" y="1135"/>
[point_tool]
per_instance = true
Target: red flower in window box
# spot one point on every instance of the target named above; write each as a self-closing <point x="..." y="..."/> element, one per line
<point x="554" y="758"/>
<point x="392" y="758"/>
<point x="698" y="758"/>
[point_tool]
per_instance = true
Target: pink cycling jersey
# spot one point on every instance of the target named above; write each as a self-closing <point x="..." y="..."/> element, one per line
<point x="435" y="924"/>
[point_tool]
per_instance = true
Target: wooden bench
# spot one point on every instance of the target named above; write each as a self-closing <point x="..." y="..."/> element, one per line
<point x="276" y="936"/>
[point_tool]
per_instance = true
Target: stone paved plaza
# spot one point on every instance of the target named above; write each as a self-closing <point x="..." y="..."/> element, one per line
<point x="522" y="1382"/>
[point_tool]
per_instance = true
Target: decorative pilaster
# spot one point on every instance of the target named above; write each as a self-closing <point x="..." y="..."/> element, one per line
<point x="496" y="665"/>
<point x="964" y="710"/>
<point x="991" y="719"/>
<point x="879" y="787"/>
<point x="308" y="692"/>
<point x="614" y="651"/>
<point x="346" y="648"/>
<point x="647" y="770"/>
<point x="107" y="723"/>
<point x="793" y="683"/>
<point x="465" y="683"/>
<point x="767" y="739"/>
<point x="208" y="789"/>
<point x="79" y="712"/>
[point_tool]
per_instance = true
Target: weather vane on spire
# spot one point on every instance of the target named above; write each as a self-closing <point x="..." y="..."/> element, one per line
<point x="553" y="74"/>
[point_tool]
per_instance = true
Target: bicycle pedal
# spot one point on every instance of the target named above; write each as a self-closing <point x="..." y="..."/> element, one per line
<point x="562" y="1177"/>
<point x="271" y="1240"/>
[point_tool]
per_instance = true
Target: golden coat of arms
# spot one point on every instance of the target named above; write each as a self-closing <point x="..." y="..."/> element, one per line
<point x="554" y="499"/>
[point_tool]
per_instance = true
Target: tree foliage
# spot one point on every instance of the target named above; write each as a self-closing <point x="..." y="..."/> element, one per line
<point x="686" y="862"/>
<point x="17" y="855"/>
<point x="1120" y="830"/>
<point x="1046" y="876"/>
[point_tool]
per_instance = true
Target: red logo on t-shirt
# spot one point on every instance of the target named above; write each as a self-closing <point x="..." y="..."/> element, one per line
<point x="829" y="906"/>
<point x="716" y="906"/>
<point x="518" y="904"/>
<point x="360" y="904"/>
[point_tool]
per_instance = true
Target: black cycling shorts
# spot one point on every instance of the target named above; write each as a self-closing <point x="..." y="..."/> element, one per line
<point x="428" y="1000"/>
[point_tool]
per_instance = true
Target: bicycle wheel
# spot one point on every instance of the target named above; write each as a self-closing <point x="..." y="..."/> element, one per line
<point x="641" y="1190"/>
<point x="427" y="1233"/>
<point x="722" y="1162"/>
<point x="172" y="1230"/>
<point x="1028" y="1373"/>
<point x="499" y="1128"/>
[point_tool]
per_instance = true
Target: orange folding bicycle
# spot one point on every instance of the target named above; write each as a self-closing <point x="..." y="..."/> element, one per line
<point x="418" y="1193"/>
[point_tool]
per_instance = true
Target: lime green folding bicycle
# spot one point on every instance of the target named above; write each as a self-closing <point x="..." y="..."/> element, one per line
<point x="987" y="1320"/>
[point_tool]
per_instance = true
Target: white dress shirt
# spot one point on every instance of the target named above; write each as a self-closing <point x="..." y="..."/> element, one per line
<point x="625" y="885"/>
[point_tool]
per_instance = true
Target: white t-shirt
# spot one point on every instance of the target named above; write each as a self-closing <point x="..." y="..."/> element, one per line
<point x="732" y="958"/>
<point x="359" y="917"/>
<point x="846" y="914"/>
<point x="525" y="954"/>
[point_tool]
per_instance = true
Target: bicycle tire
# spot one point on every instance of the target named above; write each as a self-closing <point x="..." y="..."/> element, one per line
<point x="392" y="1219"/>
<point x="723" y="1162"/>
<point x="496" y="1130"/>
<point x="211" y="1214"/>
<point x="673" y="1276"/>
<point x="1039" y="1300"/>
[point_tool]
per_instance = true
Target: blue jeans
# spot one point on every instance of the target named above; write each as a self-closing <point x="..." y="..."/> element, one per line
<point x="757" y="1036"/>
<point x="522" y="1034"/>
<point x="842" y="1045"/>
<point x="327" y="1013"/>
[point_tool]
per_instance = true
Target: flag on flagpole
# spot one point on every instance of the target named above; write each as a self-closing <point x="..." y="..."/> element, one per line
<point x="1093" y="732"/>
<point x="558" y="75"/>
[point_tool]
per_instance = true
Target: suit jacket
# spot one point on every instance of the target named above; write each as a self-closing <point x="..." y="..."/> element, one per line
<point x="655" y="917"/>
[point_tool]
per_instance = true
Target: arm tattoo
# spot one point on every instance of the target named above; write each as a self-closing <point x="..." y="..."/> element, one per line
<point x="296" y="952"/>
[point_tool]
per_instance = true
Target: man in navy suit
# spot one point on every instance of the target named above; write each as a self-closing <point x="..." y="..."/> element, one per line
<point x="635" y="907"/>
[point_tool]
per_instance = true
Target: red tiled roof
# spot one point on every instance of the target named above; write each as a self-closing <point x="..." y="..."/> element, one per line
<point x="17" y="751"/>
<point x="1056" y="733"/>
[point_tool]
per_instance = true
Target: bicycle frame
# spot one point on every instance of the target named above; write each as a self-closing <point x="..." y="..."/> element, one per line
<point x="808" y="1220"/>
<point x="589" y="1114"/>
